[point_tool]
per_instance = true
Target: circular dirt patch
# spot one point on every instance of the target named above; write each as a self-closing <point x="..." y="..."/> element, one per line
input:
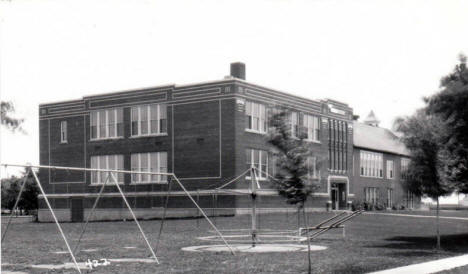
<point x="259" y="248"/>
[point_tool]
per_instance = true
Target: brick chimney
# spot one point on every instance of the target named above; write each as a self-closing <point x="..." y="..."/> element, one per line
<point x="238" y="70"/>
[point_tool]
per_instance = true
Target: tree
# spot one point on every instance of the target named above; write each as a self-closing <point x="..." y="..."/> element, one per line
<point x="12" y="124"/>
<point x="451" y="106"/>
<point x="10" y="189"/>
<point x="425" y="175"/>
<point x="292" y="180"/>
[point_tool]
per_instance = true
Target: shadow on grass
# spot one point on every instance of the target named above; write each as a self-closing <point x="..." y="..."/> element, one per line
<point x="452" y="243"/>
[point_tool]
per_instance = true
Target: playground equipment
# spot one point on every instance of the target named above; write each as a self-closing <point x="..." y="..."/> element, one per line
<point x="110" y="177"/>
<point x="335" y="222"/>
<point x="253" y="235"/>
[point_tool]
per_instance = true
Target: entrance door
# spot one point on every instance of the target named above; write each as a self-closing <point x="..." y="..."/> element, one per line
<point x="342" y="196"/>
<point x="334" y="197"/>
<point x="77" y="210"/>
<point x="338" y="196"/>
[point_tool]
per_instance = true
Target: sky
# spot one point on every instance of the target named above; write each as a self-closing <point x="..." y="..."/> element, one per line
<point x="373" y="55"/>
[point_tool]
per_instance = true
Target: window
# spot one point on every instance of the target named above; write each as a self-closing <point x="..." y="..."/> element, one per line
<point x="149" y="120"/>
<point x="107" y="123"/>
<point x="112" y="162"/>
<point x="63" y="132"/>
<point x="389" y="197"/>
<point x="258" y="159"/>
<point x="293" y="116"/>
<point x="404" y="167"/>
<point x="149" y="162"/>
<point x="311" y="126"/>
<point x="256" y="117"/>
<point x="371" y="195"/>
<point x="371" y="164"/>
<point x="311" y="168"/>
<point x="390" y="170"/>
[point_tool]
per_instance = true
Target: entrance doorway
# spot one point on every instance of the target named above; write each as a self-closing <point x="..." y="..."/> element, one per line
<point x="338" y="196"/>
<point x="77" y="210"/>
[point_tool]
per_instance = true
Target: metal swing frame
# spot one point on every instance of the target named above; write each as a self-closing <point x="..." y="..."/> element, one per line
<point x="30" y="169"/>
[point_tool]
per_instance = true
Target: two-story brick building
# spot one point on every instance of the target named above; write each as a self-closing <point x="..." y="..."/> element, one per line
<point x="205" y="133"/>
<point x="380" y="160"/>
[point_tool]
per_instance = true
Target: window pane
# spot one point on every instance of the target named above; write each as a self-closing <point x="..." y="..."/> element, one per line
<point x="135" y="167"/>
<point x="103" y="165"/>
<point x="93" y="125"/>
<point x="144" y="166"/>
<point x="162" y="119"/>
<point x="154" y="123"/>
<point x="264" y="164"/>
<point x="120" y="166"/>
<point x="256" y="154"/>
<point x="94" y="165"/>
<point x="111" y="122"/>
<point x="144" y="120"/>
<point x="102" y="124"/>
<point x="134" y="113"/>
<point x="154" y="166"/>
<point x="120" y="122"/>
<point x="163" y="165"/>
<point x="112" y="166"/>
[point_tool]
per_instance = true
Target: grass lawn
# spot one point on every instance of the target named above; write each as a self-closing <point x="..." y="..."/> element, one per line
<point x="373" y="242"/>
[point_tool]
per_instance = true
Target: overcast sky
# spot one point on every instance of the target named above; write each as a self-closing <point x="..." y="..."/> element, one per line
<point x="380" y="55"/>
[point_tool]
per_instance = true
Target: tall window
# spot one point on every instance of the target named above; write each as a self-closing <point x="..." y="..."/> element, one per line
<point x="256" y="117"/>
<point x="294" y="120"/>
<point x="311" y="168"/>
<point x="111" y="162"/>
<point x="149" y="162"/>
<point x="389" y="197"/>
<point x="63" y="132"/>
<point x="371" y="164"/>
<point x="311" y="126"/>
<point x="371" y="194"/>
<point x="404" y="167"/>
<point x="107" y="123"/>
<point x="258" y="159"/>
<point x="390" y="170"/>
<point x="149" y="120"/>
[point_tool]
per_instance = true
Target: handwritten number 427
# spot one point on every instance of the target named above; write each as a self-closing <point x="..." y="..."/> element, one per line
<point x="95" y="263"/>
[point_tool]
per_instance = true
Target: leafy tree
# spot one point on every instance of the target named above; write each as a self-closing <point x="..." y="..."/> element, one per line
<point x="291" y="153"/>
<point x="425" y="176"/>
<point x="10" y="189"/>
<point x="291" y="175"/>
<point x="13" y="124"/>
<point x="451" y="106"/>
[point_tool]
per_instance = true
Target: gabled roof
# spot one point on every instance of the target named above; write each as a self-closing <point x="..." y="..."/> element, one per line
<point x="376" y="138"/>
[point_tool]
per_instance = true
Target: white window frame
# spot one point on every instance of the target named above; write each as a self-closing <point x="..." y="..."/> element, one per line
<point x="262" y="174"/>
<point x="108" y="158"/>
<point x="312" y="164"/>
<point x="311" y="124"/>
<point x="138" y="119"/>
<point x="107" y="112"/>
<point x="371" y="164"/>
<point x="390" y="169"/>
<point x="404" y="165"/>
<point x="63" y="132"/>
<point x="371" y="195"/>
<point x="294" y="121"/>
<point x="255" y="111"/>
<point x="139" y="179"/>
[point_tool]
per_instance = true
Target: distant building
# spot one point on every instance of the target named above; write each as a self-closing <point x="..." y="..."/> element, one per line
<point x="380" y="160"/>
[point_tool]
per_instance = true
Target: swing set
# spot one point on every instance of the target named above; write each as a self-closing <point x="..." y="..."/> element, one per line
<point x="110" y="180"/>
